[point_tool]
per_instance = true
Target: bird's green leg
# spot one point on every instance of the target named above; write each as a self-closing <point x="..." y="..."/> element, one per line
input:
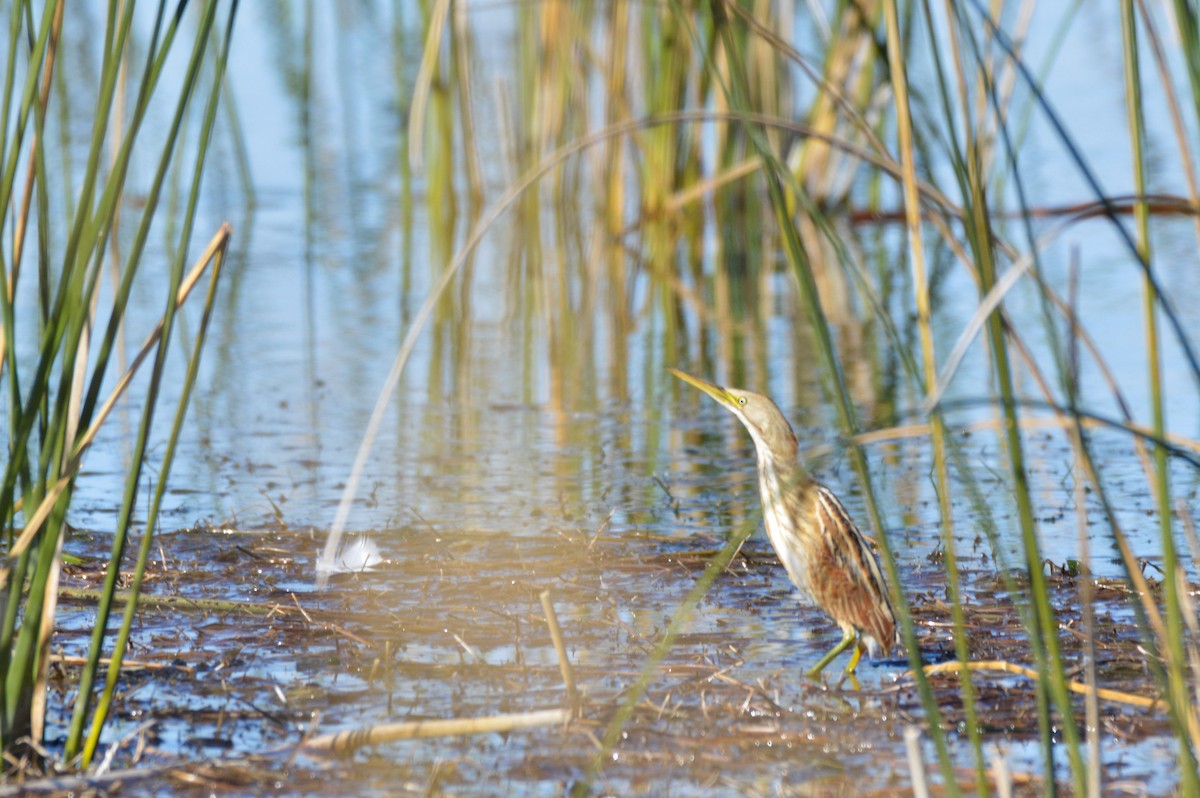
<point x="858" y="651"/>
<point x="847" y="641"/>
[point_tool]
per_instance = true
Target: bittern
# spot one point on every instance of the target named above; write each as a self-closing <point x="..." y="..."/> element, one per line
<point x="822" y="550"/>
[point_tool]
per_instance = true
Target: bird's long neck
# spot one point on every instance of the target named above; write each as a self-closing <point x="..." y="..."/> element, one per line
<point x="778" y="463"/>
<point x="784" y="488"/>
<point x="777" y="446"/>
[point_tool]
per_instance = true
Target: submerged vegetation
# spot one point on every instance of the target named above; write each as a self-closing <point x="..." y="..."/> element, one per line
<point x="837" y="203"/>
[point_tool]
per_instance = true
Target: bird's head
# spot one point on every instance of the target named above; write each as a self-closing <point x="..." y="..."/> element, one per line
<point x="761" y="416"/>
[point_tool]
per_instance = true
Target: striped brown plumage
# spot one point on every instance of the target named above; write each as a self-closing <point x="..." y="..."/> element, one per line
<point x="820" y="546"/>
<point x="825" y="554"/>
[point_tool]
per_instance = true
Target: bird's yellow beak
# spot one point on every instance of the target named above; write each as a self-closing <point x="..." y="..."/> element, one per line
<point x="723" y="397"/>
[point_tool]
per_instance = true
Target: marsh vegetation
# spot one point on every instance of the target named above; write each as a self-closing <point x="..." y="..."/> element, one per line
<point x="956" y="242"/>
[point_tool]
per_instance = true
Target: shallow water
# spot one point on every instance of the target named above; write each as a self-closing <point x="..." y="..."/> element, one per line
<point x="449" y="624"/>
<point x="536" y="442"/>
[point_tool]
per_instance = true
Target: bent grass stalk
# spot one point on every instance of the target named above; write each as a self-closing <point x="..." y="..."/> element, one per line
<point x="1105" y="694"/>
<point x="420" y="319"/>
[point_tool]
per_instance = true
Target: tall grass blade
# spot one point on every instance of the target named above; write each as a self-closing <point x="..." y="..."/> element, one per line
<point x="912" y="212"/>
<point x="124" y="520"/>
<point x="1172" y="646"/>
<point x="679" y="620"/>
<point x="1162" y="299"/>
<point x="53" y="392"/>
<point x="100" y="714"/>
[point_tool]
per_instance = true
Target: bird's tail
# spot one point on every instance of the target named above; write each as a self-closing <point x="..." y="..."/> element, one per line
<point x="882" y="635"/>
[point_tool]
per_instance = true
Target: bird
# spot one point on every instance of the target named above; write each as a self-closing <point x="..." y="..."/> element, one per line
<point x="821" y="548"/>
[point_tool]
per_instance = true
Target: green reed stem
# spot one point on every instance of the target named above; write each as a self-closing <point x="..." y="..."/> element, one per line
<point x="113" y="674"/>
<point x="1165" y="304"/>
<point x="1187" y="23"/>
<point x="18" y="655"/>
<point x="1175" y="658"/>
<point x="912" y="211"/>
<point x="124" y="521"/>
<point x="1043" y="630"/>
<point x="156" y="59"/>
<point x="21" y="423"/>
<point x="100" y="715"/>
<point x="963" y="173"/>
<point x="10" y="76"/>
<point x="1041" y="622"/>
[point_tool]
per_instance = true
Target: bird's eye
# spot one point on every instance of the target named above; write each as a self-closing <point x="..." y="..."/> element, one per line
<point x="742" y="401"/>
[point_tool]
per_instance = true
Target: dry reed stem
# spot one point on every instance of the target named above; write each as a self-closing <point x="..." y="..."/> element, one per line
<point x="86" y="784"/>
<point x="827" y="88"/>
<point x="1003" y="777"/>
<point x="37" y="712"/>
<point x="1086" y="602"/>
<point x="916" y="765"/>
<point x="560" y="648"/>
<point x="461" y="48"/>
<point x="1020" y="670"/>
<point x="1060" y="421"/>
<point x="126" y="664"/>
<point x="345" y="741"/>
<point x="423" y="82"/>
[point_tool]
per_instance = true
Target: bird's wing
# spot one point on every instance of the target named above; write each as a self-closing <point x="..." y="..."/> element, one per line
<point x="847" y="581"/>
